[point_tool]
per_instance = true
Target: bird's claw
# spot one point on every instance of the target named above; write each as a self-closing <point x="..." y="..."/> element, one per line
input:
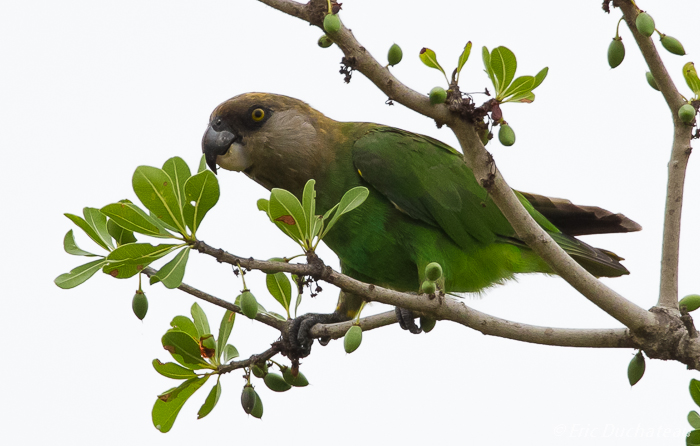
<point x="297" y="334"/>
<point x="407" y="320"/>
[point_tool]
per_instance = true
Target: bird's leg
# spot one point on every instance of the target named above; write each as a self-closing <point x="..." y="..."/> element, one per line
<point x="407" y="320"/>
<point x="297" y="333"/>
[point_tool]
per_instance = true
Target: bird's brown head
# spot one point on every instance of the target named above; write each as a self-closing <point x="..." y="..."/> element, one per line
<point x="256" y="127"/>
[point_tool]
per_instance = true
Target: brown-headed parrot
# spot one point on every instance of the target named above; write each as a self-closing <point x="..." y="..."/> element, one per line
<point x="424" y="205"/>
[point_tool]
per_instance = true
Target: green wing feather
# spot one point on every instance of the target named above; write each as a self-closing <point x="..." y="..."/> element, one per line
<point x="429" y="181"/>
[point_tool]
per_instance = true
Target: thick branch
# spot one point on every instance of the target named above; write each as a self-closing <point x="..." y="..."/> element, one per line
<point x="443" y="308"/>
<point x="680" y="153"/>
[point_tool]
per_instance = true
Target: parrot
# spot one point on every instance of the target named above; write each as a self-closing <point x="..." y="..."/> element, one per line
<point x="424" y="204"/>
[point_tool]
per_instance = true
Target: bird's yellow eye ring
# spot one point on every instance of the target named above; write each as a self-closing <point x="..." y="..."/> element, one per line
<point x="257" y="115"/>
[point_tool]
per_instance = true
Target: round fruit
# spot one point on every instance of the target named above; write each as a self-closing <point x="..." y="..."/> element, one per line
<point x="139" y="304"/>
<point x="438" y="95"/>
<point x="616" y="52"/>
<point x="249" y="306"/>
<point x="427" y="323"/>
<point x="324" y="41"/>
<point x="672" y="45"/>
<point x="395" y="54"/>
<point x="506" y="135"/>
<point x="353" y="339"/>
<point x="652" y="81"/>
<point x="297" y="381"/>
<point x="274" y="381"/>
<point x="433" y="271"/>
<point x="686" y="113"/>
<point x="428" y="287"/>
<point x="691" y="302"/>
<point x="645" y="24"/>
<point x="248" y="398"/>
<point x="635" y="370"/>
<point x="258" y="408"/>
<point x="331" y="23"/>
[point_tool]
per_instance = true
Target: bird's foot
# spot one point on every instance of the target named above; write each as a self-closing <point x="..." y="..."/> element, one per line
<point x="297" y="336"/>
<point x="407" y="320"/>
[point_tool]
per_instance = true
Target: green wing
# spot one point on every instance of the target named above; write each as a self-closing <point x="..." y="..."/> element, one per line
<point x="429" y="181"/>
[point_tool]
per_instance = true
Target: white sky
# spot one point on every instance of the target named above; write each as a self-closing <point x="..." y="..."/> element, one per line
<point x="91" y="90"/>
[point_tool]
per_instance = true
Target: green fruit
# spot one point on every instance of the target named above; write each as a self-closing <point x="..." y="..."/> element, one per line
<point x="428" y="287"/>
<point x="652" y="81"/>
<point x="331" y="23"/>
<point x="427" y="323"/>
<point x="259" y="371"/>
<point x="616" y="52"/>
<point x="635" y="370"/>
<point x="506" y="135"/>
<point x="691" y="302"/>
<point x="298" y="381"/>
<point x="433" y="271"/>
<point x="395" y="55"/>
<point x="324" y="41"/>
<point x="672" y="45"/>
<point x="139" y="304"/>
<point x="353" y="339"/>
<point x="258" y="407"/>
<point x="645" y="24"/>
<point x="438" y="95"/>
<point x="248" y="398"/>
<point x="274" y="381"/>
<point x="249" y="306"/>
<point x="686" y="113"/>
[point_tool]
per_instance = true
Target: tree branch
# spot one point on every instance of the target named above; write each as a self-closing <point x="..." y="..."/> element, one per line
<point x="680" y="153"/>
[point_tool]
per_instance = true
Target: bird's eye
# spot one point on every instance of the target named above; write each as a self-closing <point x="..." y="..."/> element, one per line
<point x="258" y="114"/>
<point x="216" y="123"/>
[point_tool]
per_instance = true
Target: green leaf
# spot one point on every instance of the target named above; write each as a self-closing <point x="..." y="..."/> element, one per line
<point x="179" y="172"/>
<point x="525" y="97"/>
<point x="503" y="64"/>
<point x="202" y="164"/>
<point x="263" y="205"/>
<point x="428" y="57"/>
<point x="157" y="191"/>
<point x="172" y="273"/>
<point x="200" y="320"/>
<point x="130" y="217"/>
<point x="464" y="56"/>
<point x="82" y="224"/>
<point x="78" y="275"/>
<point x="287" y="213"/>
<point x="211" y="400"/>
<point x="276" y="316"/>
<point x="119" y="234"/>
<point x="128" y="260"/>
<point x="185" y="324"/>
<point x="522" y="84"/>
<point x="184" y="350"/>
<point x="694" y="419"/>
<point x="72" y="248"/>
<point x="230" y="352"/>
<point x="691" y="77"/>
<point x="308" y="202"/>
<point x="539" y="77"/>
<point x="693" y="438"/>
<point x="695" y="390"/>
<point x="281" y="289"/>
<point x="201" y="194"/>
<point x="298" y="302"/>
<point x="352" y="199"/>
<point x="164" y="413"/>
<point x="172" y="370"/>
<point x="98" y="221"/>
<point x="486" y="56"/>
<point x="224" y="332"/>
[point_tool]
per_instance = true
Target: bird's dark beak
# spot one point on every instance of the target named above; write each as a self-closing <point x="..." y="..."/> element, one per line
<point x="214" y="144"/>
